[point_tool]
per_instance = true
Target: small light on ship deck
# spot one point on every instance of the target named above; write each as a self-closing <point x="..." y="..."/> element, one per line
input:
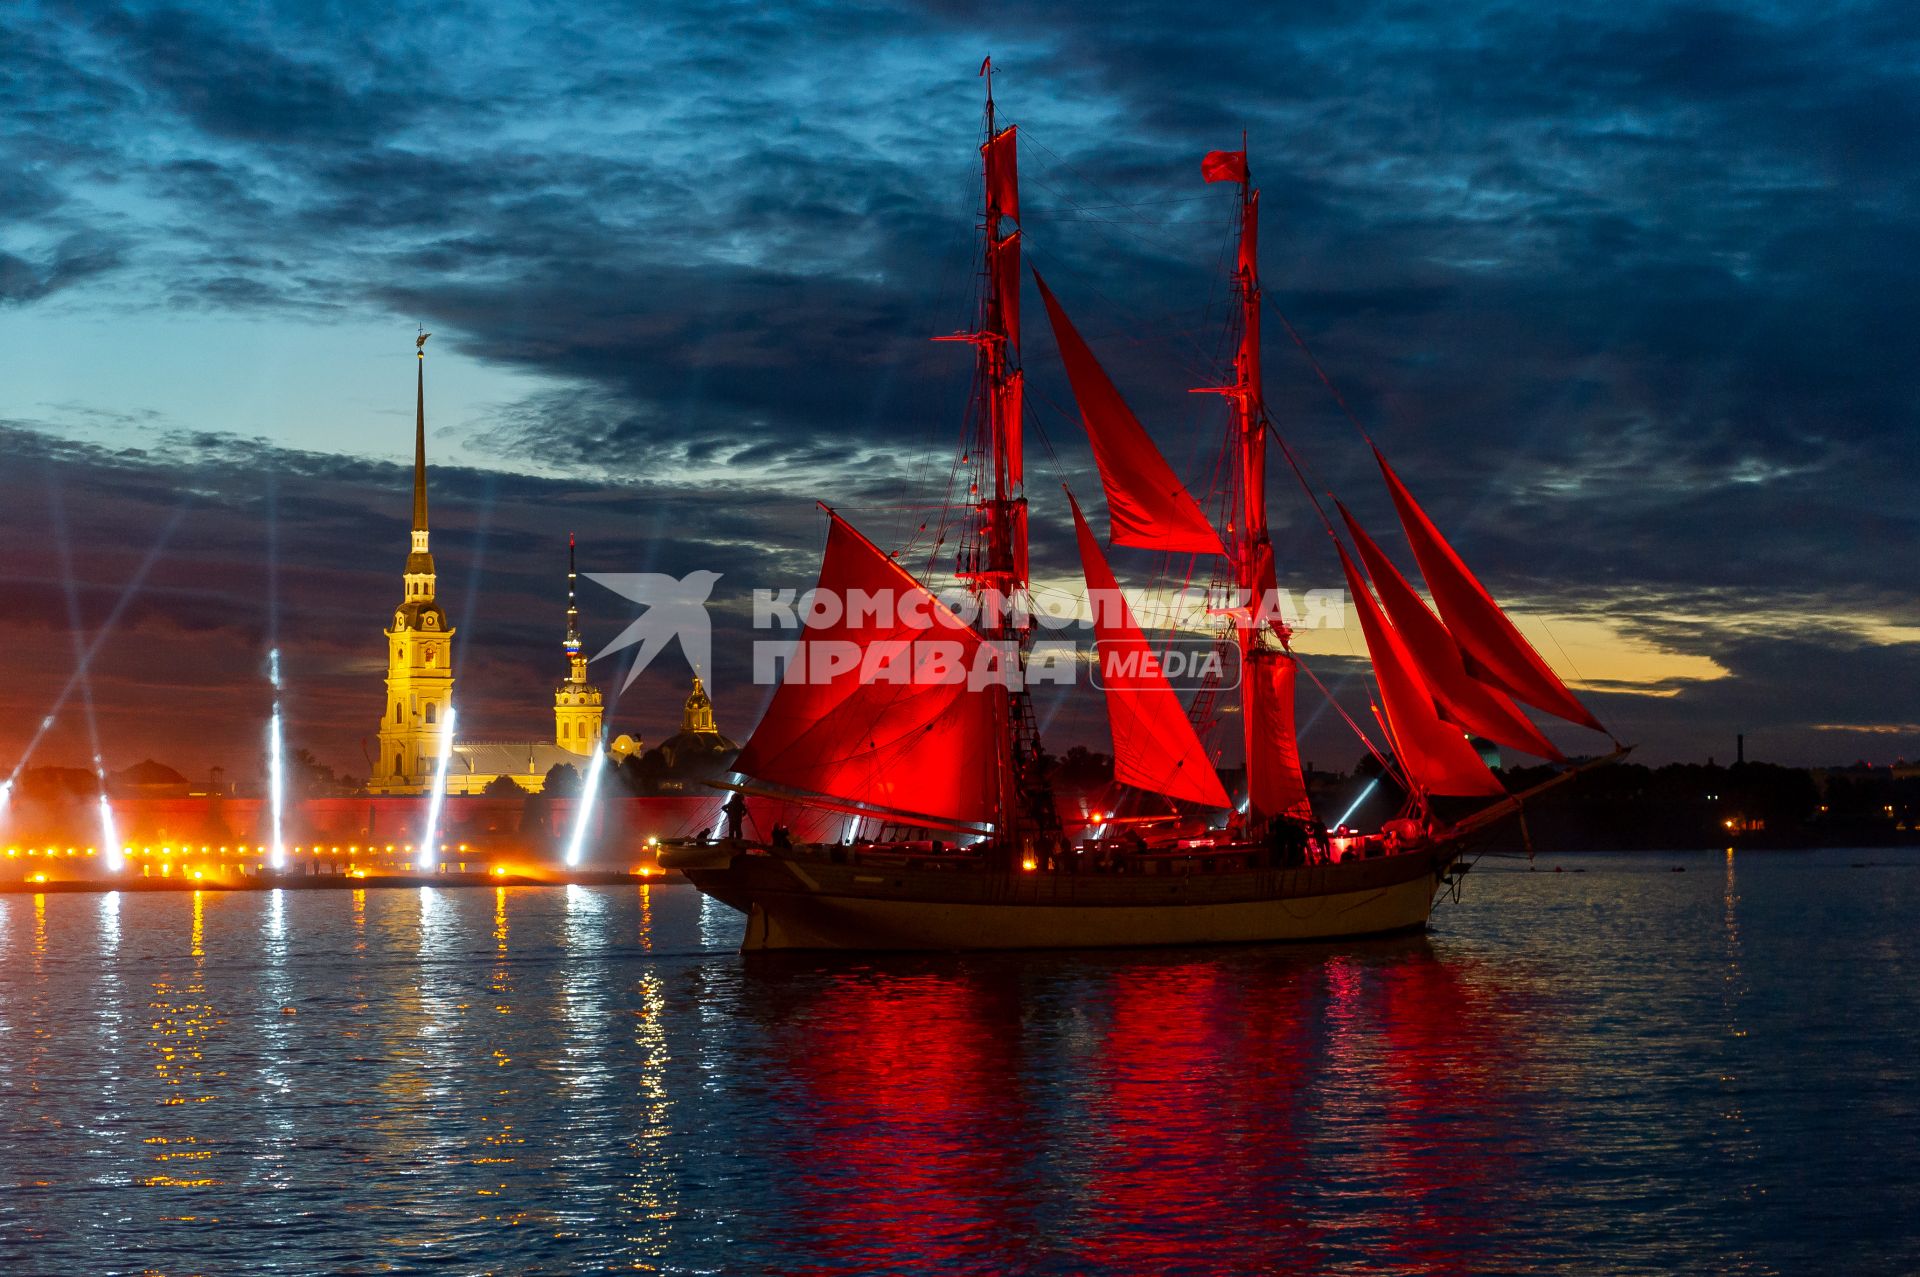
<point x="1029" y="864"/>
<point x="357" y="873"/>
<point x="499" y="871"/>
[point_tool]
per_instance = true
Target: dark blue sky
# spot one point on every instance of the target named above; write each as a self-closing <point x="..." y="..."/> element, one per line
<point x="1628" y="291"/>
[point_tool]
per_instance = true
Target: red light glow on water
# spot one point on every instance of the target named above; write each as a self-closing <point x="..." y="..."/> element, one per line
<point x="1208" y="1119"/>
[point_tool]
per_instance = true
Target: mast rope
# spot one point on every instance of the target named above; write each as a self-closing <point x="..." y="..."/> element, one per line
<point x="1387" y="766"/>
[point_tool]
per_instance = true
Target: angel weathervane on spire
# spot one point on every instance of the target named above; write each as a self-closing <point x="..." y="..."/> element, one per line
<point x="420" y="343"/>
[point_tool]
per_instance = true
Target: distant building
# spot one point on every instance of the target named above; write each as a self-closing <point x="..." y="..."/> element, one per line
<point x="576" y="702"/>
<point x="698" y="741"/>
<point x="420" y="687"/>
<point x="478" y="763"/>
<point x="577" y="710"/>
<point x="148" y="779"/>
<point x="419" y="646"/>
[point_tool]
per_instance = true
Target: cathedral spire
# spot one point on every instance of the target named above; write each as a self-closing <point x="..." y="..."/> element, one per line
<point x="419" y="559"/>
<point x="420" y="434"/>
<point x="577" y="667"/>
<point x="419" y="708"/>
<point x="576" y="702"/>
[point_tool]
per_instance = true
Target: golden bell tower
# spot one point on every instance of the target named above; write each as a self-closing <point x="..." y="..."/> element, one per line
<point x="419" y="646"/>
<point x="576" y="702"/>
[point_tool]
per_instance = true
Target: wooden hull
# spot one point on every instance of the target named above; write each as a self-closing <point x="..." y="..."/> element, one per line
<point x="808" y="904"/>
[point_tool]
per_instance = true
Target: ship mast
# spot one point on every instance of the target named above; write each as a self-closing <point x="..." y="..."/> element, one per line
<point x="996" y="570"/>
<point x="1249" y="544"/>
<point x="1005" y="567"/>
<point x="1275" y="787"/>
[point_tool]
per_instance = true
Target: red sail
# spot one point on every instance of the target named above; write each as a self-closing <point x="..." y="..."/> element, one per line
<point x="1003" y="174"/>
<point x="1434" y="754"/>
<point x="1275" y="786"/>
<point x="1147" y="505"/>
<point x="1154" y="745"/>
<point x="1006" y="287"/>
<point x="1224" y="166"/>
<point x="1480" y="709"/>
<point x="1495" y="651"/>
<point x="1012" y="414"/>
<point x="884" y="728"/>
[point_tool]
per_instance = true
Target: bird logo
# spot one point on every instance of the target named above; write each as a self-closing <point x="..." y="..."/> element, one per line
<point x="676" y="608"/>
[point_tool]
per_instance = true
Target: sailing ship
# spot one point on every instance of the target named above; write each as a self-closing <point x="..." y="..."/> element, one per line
<point x="971" y="851"/>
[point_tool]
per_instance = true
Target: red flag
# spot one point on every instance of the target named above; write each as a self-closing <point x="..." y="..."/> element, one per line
<point x="1224" y="166"/>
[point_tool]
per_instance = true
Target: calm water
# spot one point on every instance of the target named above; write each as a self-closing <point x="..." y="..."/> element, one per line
<point x="1615" y="1071"/>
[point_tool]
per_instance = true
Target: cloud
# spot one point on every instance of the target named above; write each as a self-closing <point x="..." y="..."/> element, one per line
<point x="76" y="258"/>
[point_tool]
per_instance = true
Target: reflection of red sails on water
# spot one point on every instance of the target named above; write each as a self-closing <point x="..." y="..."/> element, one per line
<point x="913" y="1105"/>
<point x="1295" y="1115"/>
<point x="948" y="772"/>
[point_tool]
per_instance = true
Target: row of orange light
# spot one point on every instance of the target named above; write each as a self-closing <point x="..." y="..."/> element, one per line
<point x="498" y="871"/>
<point x="207" y="850"/>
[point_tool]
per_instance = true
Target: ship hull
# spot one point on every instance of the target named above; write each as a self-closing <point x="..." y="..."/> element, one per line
<point x="798" y="904"/>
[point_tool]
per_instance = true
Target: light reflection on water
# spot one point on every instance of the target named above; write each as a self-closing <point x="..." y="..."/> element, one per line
<point x="1621" y="1070"/>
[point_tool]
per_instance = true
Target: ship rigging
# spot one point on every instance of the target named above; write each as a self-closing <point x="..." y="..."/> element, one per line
<point x="928" y="757"/>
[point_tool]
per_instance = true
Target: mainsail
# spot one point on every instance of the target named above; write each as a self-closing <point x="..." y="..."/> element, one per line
<point x="869" y="712"/>
<point x="1147" y="505"/>
<point x="1275" y="784"/>
<point x="1434" y="754"/>
<point x="1154" y="744"/>
<point x="1479" y="708"/>
<point x="1496" y="652"/>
